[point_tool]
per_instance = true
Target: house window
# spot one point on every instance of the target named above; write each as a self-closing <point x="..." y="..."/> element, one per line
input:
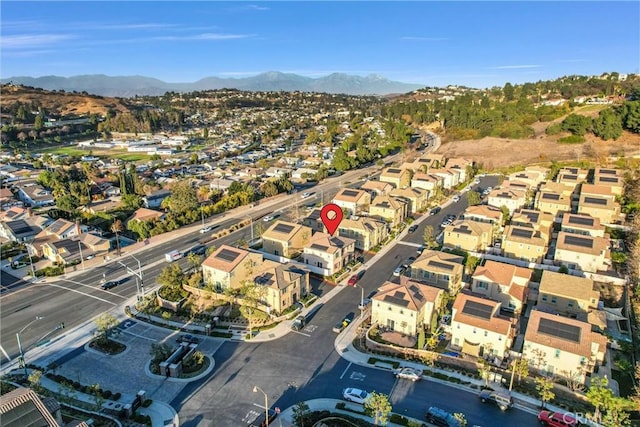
<point x="474" y="330"/>
<point x="554" y="300"/>
<point x="482" y="285"/>
<point x="557" y="354"/>
<point x="570" y="304"/>
<point x="544" y="297"/>
<point x="401" y="311"/>
<point x="486" y="334"/>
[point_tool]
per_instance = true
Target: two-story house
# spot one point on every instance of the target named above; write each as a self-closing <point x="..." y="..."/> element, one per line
<point x="400" y="178"/>
<point x="389" y="209"/>
<point x="154" y="200"/>
<point x="502" y="282"/>
<point x="450" y="177"/>
<point x="353" y="201"/>
<point x="512" y="199"/>
<point x="531" y="177"/>
<point x="541" y="222"/>
<point x="229" y="267"/>
<point x="407" y="307"/>
<point x="377" y="188"/>
<point x="367" y="232"/>
<point x="484" y="213"/>
<point x="314" y="221"/>
<point x="440" y="269"/>
<point x="586" y="253"/>
<point x="523" y="243"/>
<point x="283" y="284"/>
<point x="19" y="230"/>
<point x="428" y="182"/>
<point x="329" y="253"/>
<point x="59" y="229"/>
<point x="561" y="346"/>
<point x="468" y="235"/>
<point x="611" y="178"/>
<point x="286" y="239"/>
<point x="585" y="225"/>
<point x="461" y="165"/>
<point x="554" y="198"/>
<point x="478" y="329"/>
<point x="416" y="198"/>
<point x="567" y="295"/>
<point x="35" y="196"/>
<point x="599" y="202"/>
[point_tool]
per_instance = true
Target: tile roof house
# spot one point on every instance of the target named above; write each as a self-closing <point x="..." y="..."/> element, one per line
<point x="284" y="284"/>
<point x="603" y="206"/>
<point x="524" y="243"/>
<point x="329" y="253"/>
<point x="561" y="346"/>
<point x="567" y="295"/>
<point x="450" y="177"/>
<point x="23" y="407"/>
<point x="440" y="269"/>
<point x="427" y="182"/>
<point x="611" y="178"/>
<point x="154" y="200"/>
<point x="582" y="224"/>
<point x="502" y="282"/>
<point x="286" y="239"/>
<point x="144" y="214"/>
<point x="367" y="232"/>
<point x="416" y="198"/>
<point x="541" y="222"/>
<point x="314" y="222"/>
<point x="468" y="235"/>
<point x="377" y="187"/>
<point x="65" y="251"/>
<point x="581" y="174"/>
<point x="531" y="177"/>
<point x="19" y="230"/>
<point x="584" y="253"/>
<point x="352" y="200"/>
<point x="512" y="184"/>
<point x="461" y="165"/>
<point x="58" y="230"/>
<point x="483" y="213"/>
<point x="512" y="199"/>
<point x="229" y="267"/>
<point x="551" y="201"/>
<point x="8" y="200"/>
<point x="15" y="212"/>
<point x="406" y="307"/>
<point x="400" y="178"/>
<point x="389" y="209"/>
<point x="478" y="329"/>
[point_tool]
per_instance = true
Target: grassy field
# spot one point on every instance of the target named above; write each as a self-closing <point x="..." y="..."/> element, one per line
<point x="590" y="109"/>
<point x="75" y="151"/>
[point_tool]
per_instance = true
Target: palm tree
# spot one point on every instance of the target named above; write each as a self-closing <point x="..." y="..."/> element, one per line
<point x="116" y="227"/>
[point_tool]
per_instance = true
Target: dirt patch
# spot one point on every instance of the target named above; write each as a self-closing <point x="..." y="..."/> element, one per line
<point x="611" y="294"/>
<point x="495" y="153"/>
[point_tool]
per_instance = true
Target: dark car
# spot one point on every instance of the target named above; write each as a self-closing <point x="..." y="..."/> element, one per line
<point x="190" y="339"/>
<point x="110" y="284"/>
<point x="503" y="401"/>
<point x="339" y="327"/>
<point x="413" y="228"/>
<point x="260" y="420"/>
<point x="435" y="210"/>
<point x="199" y="250"/>
<point x="440" y="417"/>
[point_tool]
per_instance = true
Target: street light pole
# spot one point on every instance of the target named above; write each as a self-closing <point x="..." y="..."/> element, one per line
<point x="361" y="301"/>
<point x="266" y="404"/>
<point x="81" y="257"/>
<point x="33" y="271"/>
<point x="24" y="365"/>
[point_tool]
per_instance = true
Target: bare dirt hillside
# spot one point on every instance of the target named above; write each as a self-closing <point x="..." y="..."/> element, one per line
<point x="500" y="153"/>
<point x="62" y="103"/>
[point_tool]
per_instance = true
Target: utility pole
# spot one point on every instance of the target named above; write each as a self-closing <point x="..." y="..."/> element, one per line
<point x="81" y="257"/>
<point x="138" y="275"/>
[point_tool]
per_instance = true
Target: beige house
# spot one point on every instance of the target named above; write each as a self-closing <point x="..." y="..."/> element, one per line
<point x="606" y="209"/>
<point x="406" y="308"/>
<point x="377" y="187"/>
<point x="329" y="253"/>
<point x="584" y="253"/>
<point x="541" y="222"/>
<point x="144" y="215"/>
<point x="570" y="179"/>
<point x="389" y="209"/>
<point x="450" y="177"/>
<point x="478" y="329"/>
<point x="512" y="199"/>
<point x="523" y="243"/>
<point x="468" y="235"/>
<point x="440" y="269"/>
<point x="585" y="225"/>
<point x="352" y="200"/>
<point x="567" y="295"/>
<point x="611" y="178"/>
<point x="427" y="182"/>
<point x="314" y="221"/>
<point x="229" y="267"/>
<point x="531" y="177"/>
<point x="581" y="174"/>
<point x="512" y="184"/>
<point x="484" y="213"/>
<point x="562" y="346"/>
<point x="506" y="283"/>
<point x="286" y="239"/>
<point x="59" y="229"/>
<point x="65" y="251"/>
<point x="557" y="204"/>
<point x="282" y="284"/>
<point x="400" y="178"/>
<point x="461" y="165"/>
<point x="416" y="198"/>
<point x="367" y="232"/>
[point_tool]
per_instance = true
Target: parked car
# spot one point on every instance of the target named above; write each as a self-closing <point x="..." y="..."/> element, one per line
<point x="557" y="419"/>
<point x="343" y="323"/>
<point x="353" y="280"/>
<point x="413" y="228"/>
<point x="354" y="395"/>
<point x="298" y="323"/>
<point x="198" y="250"/>
<point x="260" y="420"/>
<point x="435" y="210"/>
<point x="110" y="284"/>
<point x="409" y="261"/>
<point x="305" y="195"/>
<point x="206" y="229"/>
<point x="504" y="401"/>
<point x="190" y="339"/>
<point x="408" y="374"/>
<point x="270" y="218"/>
<point x="399" y="271"/>
<point x="440" y="417"/>
<point x="456" y="199"/>
<point x="420" y="250"/>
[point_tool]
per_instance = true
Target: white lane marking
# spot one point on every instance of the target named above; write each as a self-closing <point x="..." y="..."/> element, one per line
<point x="137" y="335"/>
<point x="83" y="293"/>
<point x="345" y="371"/>
<point x="92" y="287"/>
<point x="5" y="354"/>
<point x="402" y="242"/>
<point x="301" y="333"/>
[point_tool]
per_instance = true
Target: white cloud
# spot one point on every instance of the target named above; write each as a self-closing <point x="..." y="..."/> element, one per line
<point x="139" y="26"/>
<point x="25" y="41"/>
<point x="513" y="67"/>
<point x="255" y="7"/>
<point x="423" y="39"/>
<point x="203" y="36"/>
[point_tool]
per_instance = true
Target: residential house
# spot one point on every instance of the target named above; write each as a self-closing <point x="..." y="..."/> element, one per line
<point x="64" y="251"/>
<point x="570" y="179"/>
<point x="154" y="200"/>
<point x="484" y="213"/>
<point x="14" y="213"/>
<point x="389" y="209"/>
<point x="478" y="329"/>
<point x="552" y="201"/>
<point x="511" y="184"/>
<point x="450" y="177"/>
<point x="611" y="178"/>
<point x="314" y="221"/>
<point x="502" y="282"/>
<point x="8" y="200"/>
<point x="329" y="253"/>
<point x="416" y="198"/>
<point x="433" y="160"/>
<point x="406" y="308"/>
<point x="567" y="295"/>
<point x="286" y="239"/>
<point x="352" y="200"/>
<point x="440" y="269"/>
<point x="35" y="196"/>
<point x="581" y="174"/>
<point x="377" y="188"/>
<point x="229" y="267"/>
<point x="428" y="182"/>
<point x="23" y="407"/>
<point x="461" y="165"/>
<point x="512" y="199"/>
<point x="95" y="244"/>
<point x="539" y="221"/>
<point x="59" y="229"/>
<point x="561" y="346"/>
<point x="468" y="235"/>
<point x="367" y="232"/>
<point x="532" y="178"/>
<point x="145" y="215"/>
<point x="584" y="253"/>
<point x="599" y="202"/>
<point x="284" y="284"/>
<point x="585" y="225"/>
<point x="400" y="178"/>
<point x="18" y="230"/>
<point x="524" y="243"/>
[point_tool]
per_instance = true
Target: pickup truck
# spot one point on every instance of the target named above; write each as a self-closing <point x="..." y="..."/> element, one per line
<point x="298" y="323"/>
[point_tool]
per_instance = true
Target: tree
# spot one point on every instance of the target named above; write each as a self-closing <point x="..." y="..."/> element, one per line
<point x="195" y="260"/>
<point x="484" y="370"/>
<point x="473" y="198"/>
<point x="378" y="406"/>
<point x="506" y="214"/>
<point x="251" y="294"/>
<point x="35" y="377"/>
<point x="631" y="116"/>
<point x="599" y="394"/>
<point x="160" y="352"/>
<point x="576" y="124"/>
<point x="521" y="368"/>
<point x="472" y="263"/>
<point x="131" y="201"/>
<point x="616" y="415"/>
<point x="508" y="92"/>
<point x="608" y="125"/>
<point x="116" y="227"/>
<point x="544" y="386"/>
<point x="183" y="198"/>
<point x="300" y="413"/>
<point x="429" y="237"/>
<point x="105" y="323"/>
<point x="171" y="276"/>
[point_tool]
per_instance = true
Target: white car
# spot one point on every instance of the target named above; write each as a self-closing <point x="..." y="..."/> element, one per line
<point x="268" y="218"/>
<point x="456" y="199"/>
<point x="305" y="195"/>
<point x="398" y="271"/>
<point x="408" y="374"/>
<point x="354" y="395"/>
<point x="206" y="229"/>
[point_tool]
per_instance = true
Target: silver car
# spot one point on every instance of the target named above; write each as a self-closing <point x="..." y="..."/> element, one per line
<point x="408" y="374"/>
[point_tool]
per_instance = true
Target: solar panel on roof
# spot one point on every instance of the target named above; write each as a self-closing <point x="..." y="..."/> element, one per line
<point x="609" y="179"/>
<point x="578" y="241"/>
<point x="550" y="196"/>
<point x="19" y="226"/>
<point x="396" y="301"/>
<point x="283" y="228"/>
<point x="394" y="170"/>
<point x="580" y="220"/>
<point x="228" y="255"/>
<point x="415" y="291"/>
<point x="570" y="177"/>
<point x="519" y="232"/>
<point x="595" y="201"/>
<point x="462" y="229"/>
<point x="559" y="330"/>
<point x="349" y="193"/>
<point x="608" y="171"/>
<point x="441" y="265"/>
<point x="476" y="309"/>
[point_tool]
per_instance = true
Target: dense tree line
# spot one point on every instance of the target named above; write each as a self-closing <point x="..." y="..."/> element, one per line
<point x="609" y="124"/>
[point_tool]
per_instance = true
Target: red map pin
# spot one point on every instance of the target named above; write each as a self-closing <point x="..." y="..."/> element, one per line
<point x="331" y="216"/>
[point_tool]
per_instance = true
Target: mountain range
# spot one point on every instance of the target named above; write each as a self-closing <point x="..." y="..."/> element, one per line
<point x="126" y="86"/>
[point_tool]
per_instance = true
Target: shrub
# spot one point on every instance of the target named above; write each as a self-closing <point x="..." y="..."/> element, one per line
<point x="572" y="139"/>
<point x="117" y="396"/>
<point x="147" y="403"/>
<point x="107" y="394"/>
<point x="398" y="419"/>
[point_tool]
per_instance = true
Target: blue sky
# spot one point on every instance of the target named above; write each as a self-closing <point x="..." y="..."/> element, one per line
<point x="478" y="44"/>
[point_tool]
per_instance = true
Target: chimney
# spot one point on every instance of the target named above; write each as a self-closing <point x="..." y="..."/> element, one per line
<point x="29" y="212"/>
<point x="78" y="231"/>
